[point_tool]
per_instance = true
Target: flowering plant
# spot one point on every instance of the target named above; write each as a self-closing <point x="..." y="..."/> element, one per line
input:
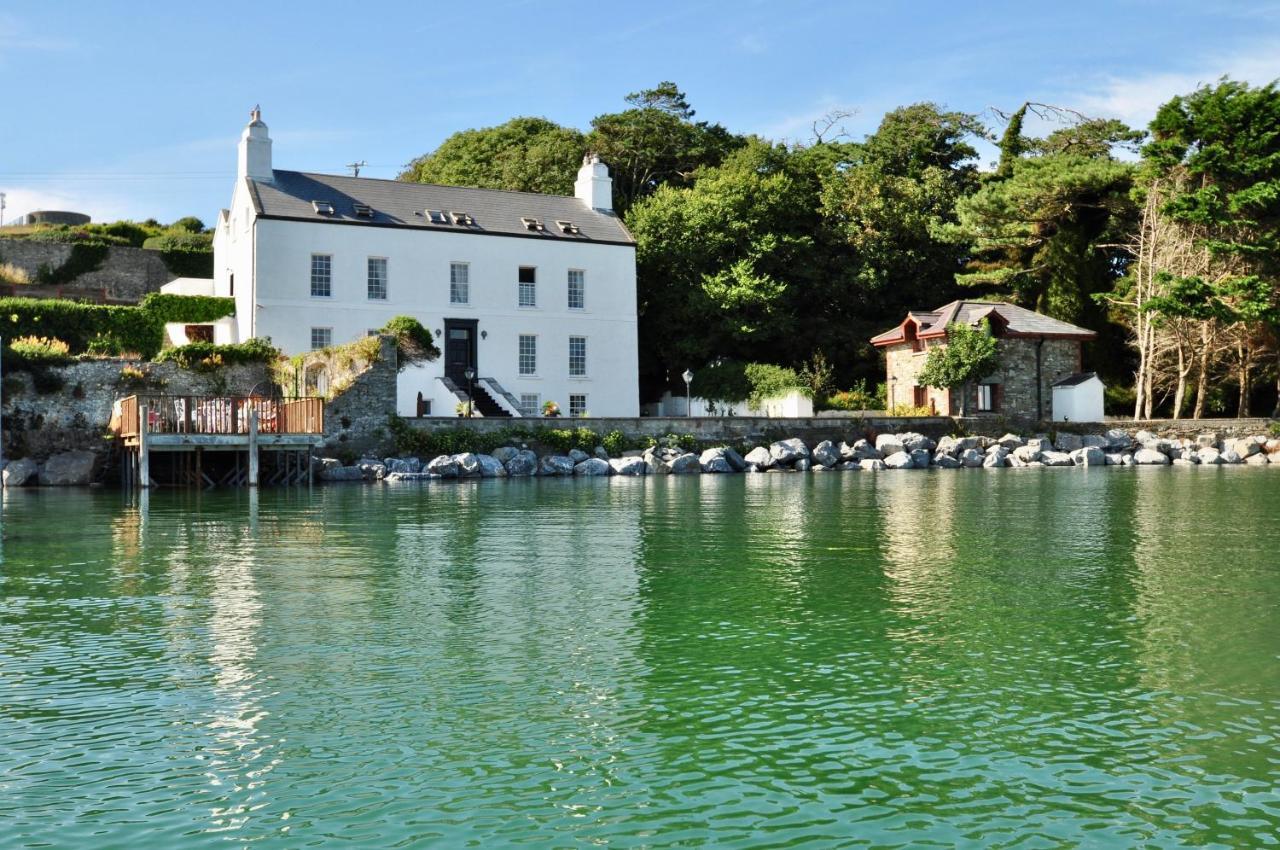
<point x="550" y="408"/>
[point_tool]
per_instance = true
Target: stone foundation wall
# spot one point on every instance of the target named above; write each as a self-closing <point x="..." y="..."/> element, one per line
<point x="126" y="276"/>
<point x="362" y="398"/>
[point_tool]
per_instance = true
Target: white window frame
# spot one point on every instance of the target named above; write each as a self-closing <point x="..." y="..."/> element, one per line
<point x="328" y="335"/>
<point x="520" y="355"/>
<point x="582" y="409"/>
<point x="581" y="280"/>
<point x="459" y="283"/>
<point x="369" y="265"/>
<point x="530" y="404"/>
<point x="582" y="371"/>
<point x="532" y="288"/>
<point x="327" y="275"/>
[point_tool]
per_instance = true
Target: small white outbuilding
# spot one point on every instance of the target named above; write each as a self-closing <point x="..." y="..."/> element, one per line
<point x="1078" y="398"/>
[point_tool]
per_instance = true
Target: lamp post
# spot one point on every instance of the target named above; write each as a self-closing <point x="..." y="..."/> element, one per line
<point x="688" y="395"/>
<point x="470" y="374"/>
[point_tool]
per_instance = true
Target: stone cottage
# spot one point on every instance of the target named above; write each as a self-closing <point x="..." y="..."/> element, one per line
<point x="1035" y="353"/>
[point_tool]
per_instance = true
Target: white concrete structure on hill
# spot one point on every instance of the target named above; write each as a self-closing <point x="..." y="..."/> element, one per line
<point x="534" y="294"/>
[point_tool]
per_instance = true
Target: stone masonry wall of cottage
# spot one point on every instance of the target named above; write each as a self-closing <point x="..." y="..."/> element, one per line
<point x="1016" y="375"/>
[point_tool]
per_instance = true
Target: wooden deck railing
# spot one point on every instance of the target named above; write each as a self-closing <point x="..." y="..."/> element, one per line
<point x="184" y="414"/>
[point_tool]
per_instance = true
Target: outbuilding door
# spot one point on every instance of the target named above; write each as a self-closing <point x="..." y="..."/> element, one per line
<point x="459" y="348"/>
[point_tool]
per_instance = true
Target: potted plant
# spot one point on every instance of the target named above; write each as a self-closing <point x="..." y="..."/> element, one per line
<point x="550" y="408"/>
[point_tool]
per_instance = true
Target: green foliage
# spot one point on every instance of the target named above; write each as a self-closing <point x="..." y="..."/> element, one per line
<point x="910" y="410"/>
<point x="189" y="223"/>
<point x="414" y="343"/>
<point x="969" y="355"/>
<point x="1273" y="429"/>
<point x="723" y="380"/>
<point x="768" y="380"/>
<point x="857" y="398"/>
<point x="185" y="253"/>
<point x="208" y="355"/>
<point x="86" y="256"/>
<point x="131" y="328"/>
<point x="524" y="154"/>
<point x="615" y="443"/>
<point x="818" y="377"/>
<point x="188" y="309"/>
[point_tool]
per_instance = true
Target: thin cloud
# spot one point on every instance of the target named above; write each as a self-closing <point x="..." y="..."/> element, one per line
<point x="15" y="37"/>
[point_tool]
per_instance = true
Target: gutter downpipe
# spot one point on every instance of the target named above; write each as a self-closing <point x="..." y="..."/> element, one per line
<point x="1040" y="380"/>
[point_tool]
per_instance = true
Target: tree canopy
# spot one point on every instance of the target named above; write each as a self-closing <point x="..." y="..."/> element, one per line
<point x="524" y="154"/>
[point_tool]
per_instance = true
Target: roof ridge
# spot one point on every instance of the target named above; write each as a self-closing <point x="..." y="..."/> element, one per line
<point x="442" y="186"/>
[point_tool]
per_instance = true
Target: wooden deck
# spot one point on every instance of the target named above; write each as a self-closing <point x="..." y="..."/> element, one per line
<point x="193" y="425"/>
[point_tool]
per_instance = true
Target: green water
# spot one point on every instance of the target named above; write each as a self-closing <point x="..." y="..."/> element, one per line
<point x="1014" y="658"/>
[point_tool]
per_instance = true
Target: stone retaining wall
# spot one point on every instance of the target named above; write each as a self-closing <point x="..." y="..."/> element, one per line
<point x="126" y="276"/>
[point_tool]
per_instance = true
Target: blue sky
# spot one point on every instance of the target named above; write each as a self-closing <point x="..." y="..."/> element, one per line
<point x="133" y="109"/>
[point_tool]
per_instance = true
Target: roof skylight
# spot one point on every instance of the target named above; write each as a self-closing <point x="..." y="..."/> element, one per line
<point x="322" y="207"/>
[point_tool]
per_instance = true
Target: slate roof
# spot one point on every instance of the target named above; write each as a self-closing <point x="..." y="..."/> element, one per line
<point x="1076" y="379"/>
<point x="1008" y="319"/>
<point x="399" y="204"/>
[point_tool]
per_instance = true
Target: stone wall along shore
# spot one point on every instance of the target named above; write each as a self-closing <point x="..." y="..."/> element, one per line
<point x="910" y="450"/>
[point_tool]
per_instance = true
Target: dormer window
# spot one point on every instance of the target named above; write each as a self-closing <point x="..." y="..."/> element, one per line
<point x="437" y="217"/>
<point x="568" y="227"/>
<point x="462" y="219"/>
<point x="362" y="210"/>
<point x="322" y="207"/>
<point x="532" y="224"/>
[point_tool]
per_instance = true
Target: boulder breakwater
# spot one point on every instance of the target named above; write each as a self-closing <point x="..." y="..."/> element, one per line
<point x="904" y="451"/>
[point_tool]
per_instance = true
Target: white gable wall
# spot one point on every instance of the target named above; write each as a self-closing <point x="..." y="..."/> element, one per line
<point x="418" y="266"/>
<point x="1080" y="402"/>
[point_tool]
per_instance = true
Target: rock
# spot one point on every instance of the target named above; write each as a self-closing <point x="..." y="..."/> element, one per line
<point x="759" y="457"/>
<point x="1027" y="453"/>
<point x="788" y="451"/>
<point x="1208" y="441"/>
<point x="592" y="466"/>
<point x="685" y="464"/>
<point x="505" y="454"/>
<point x="942" y="460"/>
<point x="1246" y="447"/>
<point x="444" y="466"/>
<point x="341" y="473"/>
<point x="888" y="444"/>
<point x="1182" y="461"/>
<point x="372" y="469"/>
<point x="1231" y="456"/>
<point x="718" y="464"/>
<point x="963" y="444"/>
<point x="633" y="453"/>
<point x="1272" y="447"/>
<point x="1118" y="440"/>
<point x="1208" y="455"/>
<point x="68" y="469"/>
<point x="995" y="460"/>
<point x="522" y="463"/>
<point x="863" y="450"/>
<point x="971" y="458"/>
<point x="1011" y="441"/>
<point x="1258" y="459"/>
<point x="657" y="468"/>
<point x="1114" y="458"/>
<point x="1150" y="457"/>
<point x="947" y="446"/>
<point x="1037" y="445"/>
<point x="709" y="455"/>
<point x="1089" y="456"/>
<point x="920" y="458"/>
<point x="849" y="465"/>
<point x="1014" y="461"/>
<point x="804" y="464"/>
<point x="491" y="467"/>
<point x="404" y="465"/>
<point x="1068" y="442"/>
<point x="393" y="477"/>
<point x="899" y="460"/>
<point x="578" y="455"/>
<point x="468" y="465"/>
<point x="913" y="442"/>
<point x="735" y="460"/>
<point x="1096" y="441"/>
<point x="826" y="454"/>
<point x="1056" y="459"/>
<point x="601" y="452"/>
<point x="19" y="473"/>
<point x="555" y="465"/>
<point x="628" y="466"/>
<point x="872" y="464"/>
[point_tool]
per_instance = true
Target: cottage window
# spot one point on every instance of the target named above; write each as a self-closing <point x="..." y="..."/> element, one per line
<point x="920" y="396"/>
<point x="459" y="283"/>
<point x="530" y="404"/>
<point x="577" y="406"/>
<point x="528" y="354"/>
<point x="577" y="289"/>
<point x="321" y="275"/>
<point x="577" y="356"/>
<point x="378" y="278"/>
<point x="321" y="338"/>
<point x="528" y="286"/>
<point x="988" y="397"/>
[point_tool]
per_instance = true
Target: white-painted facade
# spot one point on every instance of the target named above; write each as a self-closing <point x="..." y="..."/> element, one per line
<point x="1079" y="401"/>
<point x="224" y="329"/>
<point x="583" y="357"/>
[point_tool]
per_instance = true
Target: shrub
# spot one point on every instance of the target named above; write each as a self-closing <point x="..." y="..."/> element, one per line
<point x="188" y="223"/>
<point x="857" y="398"/>
<point x="131" y="328"/>
<point x="9" y="273"/>
<point x="615" y="443"/>
<point x="768" y="380"/>
<point x="550" y="408"/>
<point x="910" y="410"/>
<point x="1273" y="430"/>
<point x="723" y="380"/>
<point x="414" y="343"/>
<point x="208" y="356"/>
<point x="819" y="377"/>
<point x="40" y="349"/>
<point x="188" y="309"/>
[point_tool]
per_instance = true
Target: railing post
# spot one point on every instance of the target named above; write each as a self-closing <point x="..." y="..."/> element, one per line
<point x="144" y="451"/>
<point x="253" y="446"/>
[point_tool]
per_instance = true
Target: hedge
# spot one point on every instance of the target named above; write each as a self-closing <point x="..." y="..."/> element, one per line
<point x="188" y="309"/>
<point x="83" y="326"/>
<point x="196" y="354"/>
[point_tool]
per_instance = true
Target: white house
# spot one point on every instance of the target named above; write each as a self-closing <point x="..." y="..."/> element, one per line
<point x="533" y="294"/>
<point x="1079" y="398"/>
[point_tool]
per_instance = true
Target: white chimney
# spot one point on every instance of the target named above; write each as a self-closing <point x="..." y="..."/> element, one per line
<point x="594" y="186"/>
<point x="255" y="150"/>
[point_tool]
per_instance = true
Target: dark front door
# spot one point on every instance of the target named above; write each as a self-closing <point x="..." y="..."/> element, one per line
<point x="459" y="349"/>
